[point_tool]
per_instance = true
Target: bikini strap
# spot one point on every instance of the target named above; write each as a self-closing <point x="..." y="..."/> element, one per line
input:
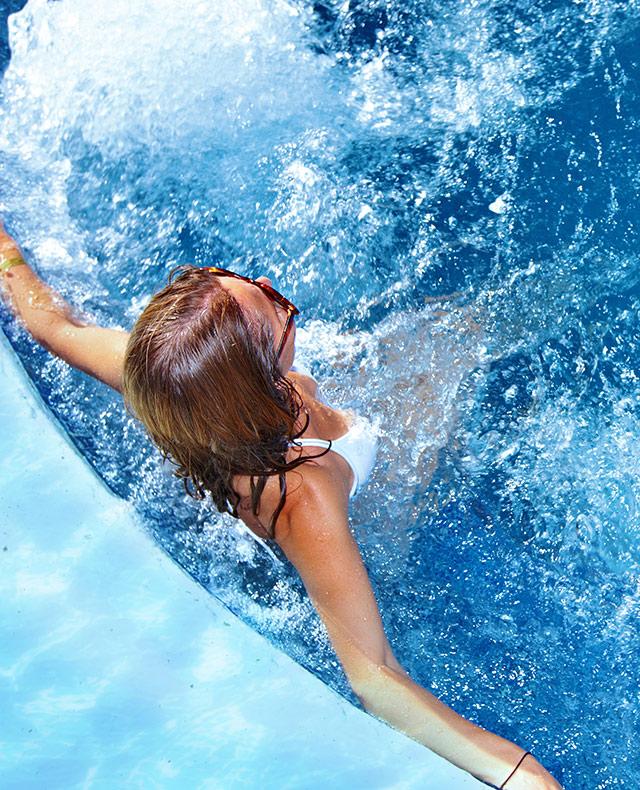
<point x="326" y="443"/>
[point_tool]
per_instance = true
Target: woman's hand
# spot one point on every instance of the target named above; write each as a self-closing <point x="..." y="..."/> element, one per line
<point x="530" y="775"/>
<point x="50" y="321"/>
<point x="8" y="245"/>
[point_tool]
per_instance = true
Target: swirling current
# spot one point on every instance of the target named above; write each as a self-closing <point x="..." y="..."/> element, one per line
<point x="448" y="190"/>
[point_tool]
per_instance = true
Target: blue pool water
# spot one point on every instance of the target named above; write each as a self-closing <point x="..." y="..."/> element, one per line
<point x="376" y="158"/>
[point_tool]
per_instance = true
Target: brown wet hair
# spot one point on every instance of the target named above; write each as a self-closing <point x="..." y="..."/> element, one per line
<point x="205" y="381"/>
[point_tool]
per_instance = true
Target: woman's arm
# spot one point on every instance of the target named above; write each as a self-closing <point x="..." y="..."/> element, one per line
<point x="315" y="536"/>
<point x="48" y="318"/>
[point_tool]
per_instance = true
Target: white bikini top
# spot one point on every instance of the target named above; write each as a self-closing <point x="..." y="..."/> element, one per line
<point x="358" y="446"/>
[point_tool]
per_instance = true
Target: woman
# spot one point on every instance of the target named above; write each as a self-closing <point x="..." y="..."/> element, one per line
<point x="208" y="369"/>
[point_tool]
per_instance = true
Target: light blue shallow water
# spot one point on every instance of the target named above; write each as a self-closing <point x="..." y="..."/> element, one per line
<point x="384" y="154"/>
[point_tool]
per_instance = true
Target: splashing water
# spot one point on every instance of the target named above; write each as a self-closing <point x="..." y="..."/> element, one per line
<point x="389" y="154"/>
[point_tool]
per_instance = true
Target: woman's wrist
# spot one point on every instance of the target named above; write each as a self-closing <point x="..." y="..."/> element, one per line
<point x="10" y="253"/>
<point x="528" y="773"/>
<point x="497" y="759"/>
<point x="517" y="766"/>
<point x="8" y="262"/>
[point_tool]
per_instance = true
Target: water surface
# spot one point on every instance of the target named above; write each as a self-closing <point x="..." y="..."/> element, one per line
<point x="462" y="180"/>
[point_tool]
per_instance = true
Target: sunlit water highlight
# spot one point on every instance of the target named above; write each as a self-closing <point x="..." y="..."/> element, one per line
<point x="388" y="154"/>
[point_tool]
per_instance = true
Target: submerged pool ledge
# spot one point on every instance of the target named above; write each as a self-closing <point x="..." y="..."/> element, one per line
<point x="118" y="670"/>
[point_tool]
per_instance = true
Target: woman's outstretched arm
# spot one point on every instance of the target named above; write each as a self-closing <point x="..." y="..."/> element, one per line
<point x="315" y="536"/>
<point x="49" y="319"/>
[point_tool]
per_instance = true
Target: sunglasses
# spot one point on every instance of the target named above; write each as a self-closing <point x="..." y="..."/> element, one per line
<point x="272" y="294"/>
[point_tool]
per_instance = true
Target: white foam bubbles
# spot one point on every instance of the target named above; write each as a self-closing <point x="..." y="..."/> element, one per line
<point x="155" y="72"/>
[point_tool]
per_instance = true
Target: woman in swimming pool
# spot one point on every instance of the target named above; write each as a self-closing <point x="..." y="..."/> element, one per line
<point x="208" y="369"/>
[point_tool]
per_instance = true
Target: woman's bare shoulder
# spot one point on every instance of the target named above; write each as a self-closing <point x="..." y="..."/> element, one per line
<point x="308" y="486"/>
<point x="311" y="488"/>
<point x="304" y="381"/>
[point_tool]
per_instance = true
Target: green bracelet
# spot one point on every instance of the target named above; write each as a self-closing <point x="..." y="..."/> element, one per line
<point x="9" y="263"/>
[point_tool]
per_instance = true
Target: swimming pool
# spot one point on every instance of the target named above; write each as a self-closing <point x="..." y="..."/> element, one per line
<point x="384" y="154"/>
